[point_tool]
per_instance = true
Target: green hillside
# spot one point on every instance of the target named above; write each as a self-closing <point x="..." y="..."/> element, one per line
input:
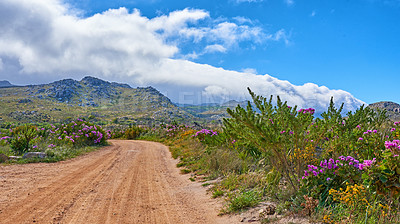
<point x="90" y="98"/>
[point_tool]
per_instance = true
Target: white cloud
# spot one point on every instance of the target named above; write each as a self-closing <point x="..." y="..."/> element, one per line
<point x="177" y="20"/>
<point x="289" y="2"/>
<point x="226" y="34"/>
<point x="313" y="13"/>
<point x="242" y="20"/>
<point x="1" y="64"/>
<point x="215" y="48"/>
<point x="46" y="40"/>
<point x="280" y="35"/>
<point x="221" y="85"/>
<point x="249" y="70"/>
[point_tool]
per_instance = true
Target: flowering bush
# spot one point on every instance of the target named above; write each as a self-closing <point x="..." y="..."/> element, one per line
<point x="332" y="174"/>
<point x="207" y="136"/>
<point x="354" y="197"/>
<point x="385" y="178"/>
<point x="173" y="130"/>
<point x="369" y="144"/>
<point x="79" y="133"/>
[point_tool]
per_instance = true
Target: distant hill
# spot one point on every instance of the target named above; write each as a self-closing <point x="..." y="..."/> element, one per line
<point x="5" y="83"/>
<point x="393" y="109"/>
<point x="212" y="112"/>
<point x="90" y="98"/>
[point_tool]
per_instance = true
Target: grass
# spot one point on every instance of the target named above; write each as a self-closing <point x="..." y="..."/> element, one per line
<point x="185" y="171"/>
<point x="243" y="200"/>
<point x="217" y="193"/>
<point x="206" y="184"/>
<point x="241" y="187"/>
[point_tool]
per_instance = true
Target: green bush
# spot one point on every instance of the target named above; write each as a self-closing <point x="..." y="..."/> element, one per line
<point x="134" y="132"/>
<point x="23" y="138"/>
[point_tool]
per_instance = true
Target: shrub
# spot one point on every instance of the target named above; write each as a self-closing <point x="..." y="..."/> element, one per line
<point x="22" y="138"/>
<point x="134" y="132"/>
<point x="80" y="133"/>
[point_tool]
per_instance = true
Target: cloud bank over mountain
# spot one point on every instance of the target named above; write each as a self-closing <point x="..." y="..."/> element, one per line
<point x="46" y="40"/>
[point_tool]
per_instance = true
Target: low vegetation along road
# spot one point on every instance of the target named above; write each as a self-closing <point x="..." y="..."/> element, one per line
<point x="127" y="182"/>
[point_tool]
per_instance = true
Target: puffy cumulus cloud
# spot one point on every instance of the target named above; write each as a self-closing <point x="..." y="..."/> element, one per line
<point x="48" y="37"/>
<point x="45" y="40"/>
<point x="226" y="34"/>
<point x="177" y="22"/>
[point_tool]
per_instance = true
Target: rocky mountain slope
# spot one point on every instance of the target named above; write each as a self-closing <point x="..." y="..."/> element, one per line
<point x="212" y="112"/>
<point x="90" y="97"/>
<point x="393" y="109"/>
<point x="5" y="83"/>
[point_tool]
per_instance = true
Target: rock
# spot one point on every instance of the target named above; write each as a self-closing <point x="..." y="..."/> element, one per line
<point x="40" y="91"/>
<point x="34" y="155"/>
<point x="270" y="209"/>
<point x="14" y="157"/>
<point x="3" y="158"/>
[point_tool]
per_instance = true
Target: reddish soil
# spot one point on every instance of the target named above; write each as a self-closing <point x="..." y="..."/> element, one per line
<point x="127" y="182"/>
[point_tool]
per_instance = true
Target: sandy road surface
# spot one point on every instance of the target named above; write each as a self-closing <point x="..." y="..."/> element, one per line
<point x="127" y="182"/>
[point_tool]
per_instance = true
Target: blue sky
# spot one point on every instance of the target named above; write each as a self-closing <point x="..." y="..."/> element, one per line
<point x="207" y="51"/>
<point x="350" y="45"/>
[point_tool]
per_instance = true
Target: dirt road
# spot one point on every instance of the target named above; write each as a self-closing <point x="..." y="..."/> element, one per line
<point x="127" y="182"/>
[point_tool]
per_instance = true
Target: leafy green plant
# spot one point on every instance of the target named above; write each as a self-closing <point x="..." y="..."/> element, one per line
<point x="275" y="130"/>
<point x="23" y="138"/>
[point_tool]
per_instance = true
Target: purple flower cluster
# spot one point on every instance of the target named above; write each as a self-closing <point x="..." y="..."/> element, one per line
<point x="370" y="131"/>
<point x="74" y="131"/>
<point x="332" y="164"/>
<point x="172" y="130"/>
<point x="99" y="136"/>
<point x="393" y="146"/>
<point x="307" y="111"/>
<point x="206" y="132"/>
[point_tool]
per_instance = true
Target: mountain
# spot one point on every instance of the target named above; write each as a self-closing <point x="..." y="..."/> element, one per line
<point x="392" y="108"/>
<point x="5" y="83"/>
<point x="90" y="98"/>
<point x="212" y="112"/>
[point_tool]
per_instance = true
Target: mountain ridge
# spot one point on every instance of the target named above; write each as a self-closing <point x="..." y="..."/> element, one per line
<point x="90" y="97"/>
<point x="5" y="83"/>
<point x="94" y="97"/>
<point x="392" y="109"/>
